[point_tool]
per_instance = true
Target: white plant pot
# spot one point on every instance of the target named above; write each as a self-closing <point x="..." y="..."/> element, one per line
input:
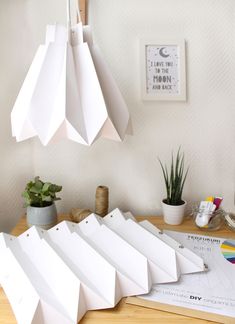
<point x="44" y="217"/>
<point x="173" y="215"/>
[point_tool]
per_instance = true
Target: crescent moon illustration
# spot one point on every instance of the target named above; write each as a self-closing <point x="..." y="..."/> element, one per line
<point x="161" y="52"/>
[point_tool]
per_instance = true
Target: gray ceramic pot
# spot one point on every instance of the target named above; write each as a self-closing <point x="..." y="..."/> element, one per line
<point x="44" y="217"/>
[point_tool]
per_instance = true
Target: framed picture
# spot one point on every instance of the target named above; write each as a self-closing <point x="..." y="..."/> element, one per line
<point x="163" y="70"/>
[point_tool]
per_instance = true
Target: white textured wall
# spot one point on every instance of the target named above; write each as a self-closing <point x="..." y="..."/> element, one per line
<point x="204" y="125"/>
<point x="16" y="163"/>
<point x="22" y="28"/>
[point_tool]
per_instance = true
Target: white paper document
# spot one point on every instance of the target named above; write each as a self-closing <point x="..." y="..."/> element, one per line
<point x="212" y="291"/>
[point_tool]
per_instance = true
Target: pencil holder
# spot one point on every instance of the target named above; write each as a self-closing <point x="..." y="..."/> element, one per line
<point x="216" y="218"/>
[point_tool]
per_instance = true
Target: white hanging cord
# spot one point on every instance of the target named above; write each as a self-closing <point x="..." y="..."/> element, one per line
<point x="78" y="11"/>
<point x="68" y="14"/>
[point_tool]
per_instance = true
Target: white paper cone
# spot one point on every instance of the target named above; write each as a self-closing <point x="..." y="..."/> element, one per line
<point x="117" y="110"/>
<point x="92" y="101"/>
<point x="21" y="126"/>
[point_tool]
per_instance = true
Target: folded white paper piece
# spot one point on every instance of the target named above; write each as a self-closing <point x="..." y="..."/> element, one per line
<point x="69" y="92"/>
<point x="35" y="287"/>
<point x="132" y="267"/>
<point x="101" y="289"/>
<point x="55" y="276"/>
<point x="161" y="257"/>
<point x="188" y="261"/>
<point x="118" y="122"/>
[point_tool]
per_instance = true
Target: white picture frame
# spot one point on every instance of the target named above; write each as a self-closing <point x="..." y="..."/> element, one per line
<point x="163" y="71"/>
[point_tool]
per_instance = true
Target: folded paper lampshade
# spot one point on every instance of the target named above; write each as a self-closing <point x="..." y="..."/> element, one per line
<point x="69" y="92"/>
<point x="55" y="276"/>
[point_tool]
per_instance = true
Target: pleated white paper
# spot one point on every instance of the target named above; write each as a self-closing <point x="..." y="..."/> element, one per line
<point x="188" y="261"/>
<point x="69" y="92"/>
<point x="55" y="276"/>
<point x="163" y="265"/>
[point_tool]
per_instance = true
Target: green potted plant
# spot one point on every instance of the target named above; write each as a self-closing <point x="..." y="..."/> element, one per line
<point x="39" y="200"/>
<point x="173" y="205"/>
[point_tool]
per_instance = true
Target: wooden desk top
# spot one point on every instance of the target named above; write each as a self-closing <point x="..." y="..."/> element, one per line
<point x="122" y="313"/>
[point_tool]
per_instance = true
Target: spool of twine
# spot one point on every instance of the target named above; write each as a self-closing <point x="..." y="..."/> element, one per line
<point x="78" y="214"/>
<point x="102" y="201"/>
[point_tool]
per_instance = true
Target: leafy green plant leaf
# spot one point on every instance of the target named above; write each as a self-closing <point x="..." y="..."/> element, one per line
<point x="46" y="186"/>
<point x="40" y="194"/>
<point x="55" y="188"/>
<point x="35" y="189"/>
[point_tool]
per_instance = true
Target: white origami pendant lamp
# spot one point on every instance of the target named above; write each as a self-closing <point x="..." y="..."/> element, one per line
<point x="69" y="91"/>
